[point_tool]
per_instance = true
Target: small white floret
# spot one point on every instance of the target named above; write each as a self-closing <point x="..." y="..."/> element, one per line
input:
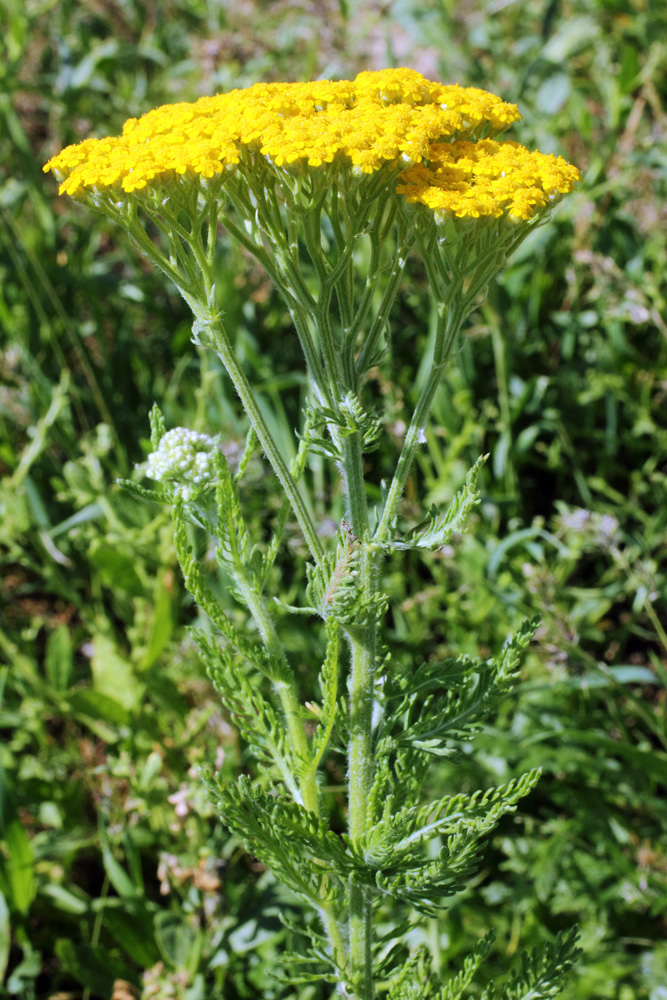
<point x="184" y="459"/>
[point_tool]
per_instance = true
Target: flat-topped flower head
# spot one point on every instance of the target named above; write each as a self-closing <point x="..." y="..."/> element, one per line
<point x="385" y="117"/>
<point x="184" y="459"/>
<point x="487" y="179"/>
<point x="271" y="161"/>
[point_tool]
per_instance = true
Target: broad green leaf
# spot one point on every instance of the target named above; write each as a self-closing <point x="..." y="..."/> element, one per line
<point x="58" y="661"/>
<point x="95" y="705"/>
<point x="118" y="877"/>
<point x="176" y="938"/>
<point x="161" y="626"/>
<point x="22" y="978"/>
<point x="17" y="869"/>
<point x="92" y="967"/>
<point x="113" y="674"/>
<point x="134" y="933"/>
<point x="66" y="900"/>
<point x="89" y="513"/>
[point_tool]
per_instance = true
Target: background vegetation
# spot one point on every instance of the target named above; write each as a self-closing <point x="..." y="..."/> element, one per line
<point x="114" y="876"/>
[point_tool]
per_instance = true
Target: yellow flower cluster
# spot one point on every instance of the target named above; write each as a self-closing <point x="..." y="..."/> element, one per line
<point x="378" y="118"/>
<point x="397" y="117"/>
<point x="487" y="179"/>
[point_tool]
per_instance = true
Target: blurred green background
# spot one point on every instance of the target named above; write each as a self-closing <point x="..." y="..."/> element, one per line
<point x="115" y="878"/>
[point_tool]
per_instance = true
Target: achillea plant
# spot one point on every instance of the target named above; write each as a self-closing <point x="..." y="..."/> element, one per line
<point x="313" y="179"/>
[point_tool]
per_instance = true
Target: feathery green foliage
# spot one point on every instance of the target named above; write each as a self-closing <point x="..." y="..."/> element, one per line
<point x="542" y="973"/>
<point x="435" y="532"/>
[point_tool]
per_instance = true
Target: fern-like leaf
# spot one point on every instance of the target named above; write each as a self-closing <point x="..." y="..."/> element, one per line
<point x="158" y="427"/>
<point x="542" y="972"/>
<point x="401" y="867"/>
<point x="298" y="846"/>
<point x="333" y="590"/>
<point x="434" y="532"/>
<point x="454" y="988"/>
<point x="254" y="716"/>
<point x="163" y="496"/>
<point x="231" y="529"/>
<point x="413" y="981"/>
<point x="329" y="681"/>
<point x="441" y="702"/>
<point x="354" y="419"/>
<point x="196" y="585"/>
<point x="316" y="963"/>
<point x="395" y="841"/>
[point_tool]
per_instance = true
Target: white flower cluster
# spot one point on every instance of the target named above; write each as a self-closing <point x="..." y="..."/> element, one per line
<point x="185" y="459"/>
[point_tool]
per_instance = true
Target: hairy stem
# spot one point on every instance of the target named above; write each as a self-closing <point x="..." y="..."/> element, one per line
<point x="449" y="324"/>
<point x="285" y="689"/>
<point x="222" y="345"/>
<point x="307" y="777"/>
<point x="363" y="644"/>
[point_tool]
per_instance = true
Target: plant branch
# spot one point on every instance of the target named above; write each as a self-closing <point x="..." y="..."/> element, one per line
<point x="212" y="325"/>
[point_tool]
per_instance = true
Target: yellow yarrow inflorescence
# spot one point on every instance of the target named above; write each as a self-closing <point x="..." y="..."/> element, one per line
<point x="487" y="179"/>
<point x="375" y="119"/>
<point x="434" y="132"/>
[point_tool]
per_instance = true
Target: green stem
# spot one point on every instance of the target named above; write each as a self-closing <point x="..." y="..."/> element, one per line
<point x="499" y="358"/>
<point x="285" y="275"/>
<point x="286" y="690"/>
<point x="330" y="352"/>
<point x="130" y="221"/>
<point x="223" y="346"/>
<point x="380" y="321"/>
<point x="449" y="324"/>
<point x="363" y="637"/>
<point x="363" y="644"/>
<point x="305" y="786"/>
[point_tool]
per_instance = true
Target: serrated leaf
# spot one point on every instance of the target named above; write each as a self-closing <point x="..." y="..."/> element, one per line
<point x="454" y="989"/>
<point x="298" y="846"/>
<point x="434" y="532"/>
<point x="158" y="426"/>
<point x="195" y="583"/>
<point x="329" y="686"/>
<point x="542" y="972"/>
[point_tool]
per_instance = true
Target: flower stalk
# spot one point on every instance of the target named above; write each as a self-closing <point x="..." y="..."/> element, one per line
<point x="211" y="327"/>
